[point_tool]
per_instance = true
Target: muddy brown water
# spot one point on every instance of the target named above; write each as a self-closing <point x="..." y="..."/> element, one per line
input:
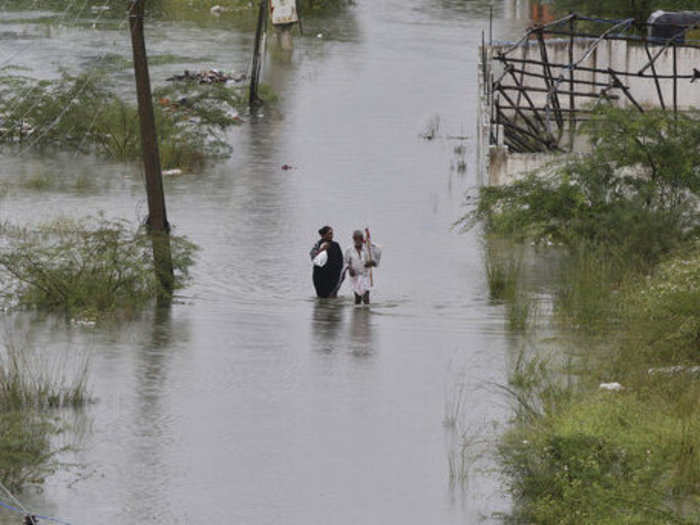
<point x="249" y="401"/>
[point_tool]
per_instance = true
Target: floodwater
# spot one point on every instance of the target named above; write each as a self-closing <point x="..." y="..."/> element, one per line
<point x="249" y="401"/>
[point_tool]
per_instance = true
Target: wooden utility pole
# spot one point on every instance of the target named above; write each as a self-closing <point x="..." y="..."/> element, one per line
<point x="253" y="98"/>
<point x="157" y="218"/>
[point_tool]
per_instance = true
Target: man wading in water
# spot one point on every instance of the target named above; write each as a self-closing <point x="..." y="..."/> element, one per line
<point x="328" y="264"/>
<point x="360" y="258"/>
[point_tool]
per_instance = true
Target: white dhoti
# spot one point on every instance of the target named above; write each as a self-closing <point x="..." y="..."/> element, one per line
<point x="361" y="284"/>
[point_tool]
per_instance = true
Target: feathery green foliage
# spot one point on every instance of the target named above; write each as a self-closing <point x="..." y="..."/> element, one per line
<point x="80" y="113"/>
<point x="86" y="268"/>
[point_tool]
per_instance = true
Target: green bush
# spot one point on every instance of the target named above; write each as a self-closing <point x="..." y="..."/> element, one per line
<point x="88" y="268"/>
<point x="81" y="114"/>
<point x="637" y="192"/>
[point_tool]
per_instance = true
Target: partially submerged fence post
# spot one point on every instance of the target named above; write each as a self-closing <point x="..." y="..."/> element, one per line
<point x="157" y="222"/>
<point x="253" y="98"/>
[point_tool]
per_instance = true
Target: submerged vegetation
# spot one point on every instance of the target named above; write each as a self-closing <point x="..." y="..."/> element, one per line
<point x="33" y="385"/>
<point x="78" y="113"/>
<point x="607" y="424"/>
<point x="84" y="268"/>
<point x="107" y="9"/>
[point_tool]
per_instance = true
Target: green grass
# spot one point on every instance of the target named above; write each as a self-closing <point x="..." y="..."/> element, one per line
<point x="579" y="454"/>
<point x="503" y="275"/>
<point x="39" y="181"/>
<point x="34" y="380"/>
<point x="521" y="310"/>
<point x="504" y="270"/>
<point x="33" y="385"/>
<point x="588" y="281"/>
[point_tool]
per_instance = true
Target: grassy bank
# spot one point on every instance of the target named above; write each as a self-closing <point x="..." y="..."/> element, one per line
<point x="581" y="453"/>
<point x="606" y="426"/>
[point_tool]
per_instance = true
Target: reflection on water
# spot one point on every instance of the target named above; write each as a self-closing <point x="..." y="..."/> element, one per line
<point x="331" y="317"/>
<point x="361" y="342"/>
<point x="327" y="319"/>
<point x="248" y="401"/>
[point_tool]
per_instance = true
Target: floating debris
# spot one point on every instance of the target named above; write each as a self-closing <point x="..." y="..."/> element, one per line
<point x="211" y="76"/>
<point x="612" y="387"/>
<point x="172" y="173"/>
<point x="83" y="322"/>
<point x="287" y="167"/>
<point x="431" y="128"/>
<point x="674" y="370"/>
<point x="217" y="10"/>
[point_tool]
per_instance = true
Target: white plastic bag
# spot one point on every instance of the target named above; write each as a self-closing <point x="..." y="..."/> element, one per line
<point x="376" y="252"/>
<point x="321" y="259"/>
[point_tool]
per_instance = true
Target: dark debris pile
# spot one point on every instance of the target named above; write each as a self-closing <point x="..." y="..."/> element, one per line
<point x="211" y="76"/>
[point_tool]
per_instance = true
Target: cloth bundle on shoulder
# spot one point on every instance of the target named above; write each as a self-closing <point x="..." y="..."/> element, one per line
<point x="321" y="259"/>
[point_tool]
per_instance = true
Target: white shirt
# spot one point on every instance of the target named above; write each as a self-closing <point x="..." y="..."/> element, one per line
<point x="356" y="260"/>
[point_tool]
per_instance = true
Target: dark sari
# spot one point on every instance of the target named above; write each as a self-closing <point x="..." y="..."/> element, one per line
<point x="327" y="277"/>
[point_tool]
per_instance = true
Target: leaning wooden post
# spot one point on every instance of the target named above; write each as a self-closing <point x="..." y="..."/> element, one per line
<point x="157" y="222"/>
<point x="253" y="98"/>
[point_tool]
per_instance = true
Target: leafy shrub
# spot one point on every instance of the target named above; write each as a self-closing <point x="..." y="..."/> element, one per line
<point x="637" y="191"/>
<point x="79" y="113"/>
<point x="88" y="267"/>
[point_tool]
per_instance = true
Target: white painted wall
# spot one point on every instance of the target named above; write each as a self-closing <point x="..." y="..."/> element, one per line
<point x="622" y="56"/>
<point x="498" y="166"/>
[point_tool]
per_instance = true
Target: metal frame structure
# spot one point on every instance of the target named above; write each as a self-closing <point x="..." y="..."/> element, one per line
<point x="571" y="89"/>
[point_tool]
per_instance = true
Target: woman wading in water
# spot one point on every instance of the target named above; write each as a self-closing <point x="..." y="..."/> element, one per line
<point x="328" y="264"/>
